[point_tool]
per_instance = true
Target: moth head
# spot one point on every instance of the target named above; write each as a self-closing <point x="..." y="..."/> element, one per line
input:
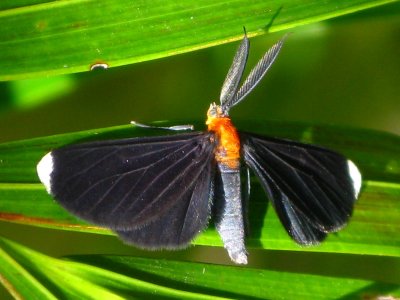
<point x="215" y="111"/>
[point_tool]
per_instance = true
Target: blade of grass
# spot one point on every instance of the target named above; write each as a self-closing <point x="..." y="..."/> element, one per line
<point x="18" y="281"/>
<point x="42" y="38"/>
<point x="128" y="277"/>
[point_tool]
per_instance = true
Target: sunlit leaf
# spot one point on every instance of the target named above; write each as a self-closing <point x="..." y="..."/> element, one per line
<point x="59" y="37"/>
<point x="114" y="277"/>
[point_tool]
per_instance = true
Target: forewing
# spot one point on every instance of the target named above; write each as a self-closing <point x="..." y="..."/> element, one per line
<point x="176" y="227"/>
<point x="231" y="83"/>
<point x="312" y="189"/>
<point x="124" y="184"/>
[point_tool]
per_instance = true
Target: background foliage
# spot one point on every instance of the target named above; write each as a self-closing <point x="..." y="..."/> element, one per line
<point x="343" y="71"/>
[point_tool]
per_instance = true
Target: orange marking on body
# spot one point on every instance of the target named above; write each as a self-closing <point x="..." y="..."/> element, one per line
<point x="228" y="149"/>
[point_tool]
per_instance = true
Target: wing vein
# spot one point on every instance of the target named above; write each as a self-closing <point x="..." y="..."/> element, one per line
<point x="166" y="188"/>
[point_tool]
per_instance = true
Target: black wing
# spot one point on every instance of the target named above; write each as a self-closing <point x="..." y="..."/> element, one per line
<point x="182" y="222"/>
<point x="312" y="189"/>
<point x="135" y="183"/>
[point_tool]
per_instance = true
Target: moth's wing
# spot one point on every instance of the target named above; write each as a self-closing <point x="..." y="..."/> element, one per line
<point x="126" y="184"/>
<point x="312" y="189"/>
<point x="182" y="222"/>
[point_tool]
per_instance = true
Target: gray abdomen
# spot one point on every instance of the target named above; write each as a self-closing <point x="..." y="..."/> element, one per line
<point x="230" y="223"/>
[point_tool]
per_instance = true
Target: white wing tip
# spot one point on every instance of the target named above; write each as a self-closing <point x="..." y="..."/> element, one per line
<point x="355" y="177"/>
<point x="44" y="169"/>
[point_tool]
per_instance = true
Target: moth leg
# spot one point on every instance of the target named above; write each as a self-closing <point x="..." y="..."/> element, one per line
<point x="173" y="128"/>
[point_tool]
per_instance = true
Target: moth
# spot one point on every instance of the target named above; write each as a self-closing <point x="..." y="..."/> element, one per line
<point x="159" y="192"/>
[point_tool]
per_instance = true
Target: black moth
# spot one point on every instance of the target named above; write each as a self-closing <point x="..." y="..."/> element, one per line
<point x="158" y="192"/>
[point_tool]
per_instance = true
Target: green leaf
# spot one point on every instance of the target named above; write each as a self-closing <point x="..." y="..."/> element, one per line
<point x="60" y="37"/>
<point x="373" y="229"/>
<point x="18" y="281"/>
<point x="114" y="277"/>
<point x="42" y="38"/>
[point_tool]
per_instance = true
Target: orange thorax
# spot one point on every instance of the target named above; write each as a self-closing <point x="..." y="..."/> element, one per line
<point x="228" y="149"/>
